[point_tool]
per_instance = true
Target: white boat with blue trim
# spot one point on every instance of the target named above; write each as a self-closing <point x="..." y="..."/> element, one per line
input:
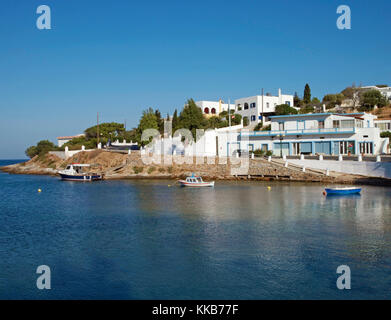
<point x="75" y="172"/>
<point x="195" y="181"/>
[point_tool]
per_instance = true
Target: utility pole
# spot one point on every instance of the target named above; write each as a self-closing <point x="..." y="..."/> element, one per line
<point x="97" y="127"/>
<point x="262" y="107"/>
<point x="229" y="113"/>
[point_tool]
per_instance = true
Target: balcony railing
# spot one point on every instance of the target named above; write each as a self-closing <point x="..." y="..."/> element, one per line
<point x="302" y="132"/>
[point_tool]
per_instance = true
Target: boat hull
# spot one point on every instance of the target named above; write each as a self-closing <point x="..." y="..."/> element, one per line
<point x="196" y="185"/>
<point x="343" y="191"/>
<point x="81" y="178"/>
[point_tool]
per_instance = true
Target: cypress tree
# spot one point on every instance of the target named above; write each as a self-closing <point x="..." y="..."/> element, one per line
<point x="307" y="94"/>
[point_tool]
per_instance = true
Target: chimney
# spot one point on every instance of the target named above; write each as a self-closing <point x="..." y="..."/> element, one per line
<point x="279" y="96"/>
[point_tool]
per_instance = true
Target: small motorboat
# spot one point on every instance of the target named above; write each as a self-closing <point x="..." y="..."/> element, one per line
<point x="195" y="181"/>
<point x="75" y="172"/>
<point x="343" y="190"/>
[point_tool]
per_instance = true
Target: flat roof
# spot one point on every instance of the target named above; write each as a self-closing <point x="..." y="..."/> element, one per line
<point x="317" y="114"/>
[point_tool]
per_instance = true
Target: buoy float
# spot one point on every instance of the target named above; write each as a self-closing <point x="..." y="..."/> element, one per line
<point x="324" y="193"/>
<point x="39" y="190"/>
<point x="269" y="188"/>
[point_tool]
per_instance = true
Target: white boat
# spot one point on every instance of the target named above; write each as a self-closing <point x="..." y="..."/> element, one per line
<point x="195" y="181"/>
<point x="75" y="172"/>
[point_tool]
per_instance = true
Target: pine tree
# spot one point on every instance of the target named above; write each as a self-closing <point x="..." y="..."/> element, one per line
<point x="307" y="94"/>
<point x="175" y="121"/>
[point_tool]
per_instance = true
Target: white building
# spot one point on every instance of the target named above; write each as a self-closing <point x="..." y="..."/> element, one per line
<point x="325" y="133"/>
<point x="213" y="108"/>
<point x="385" y="91"/>
<point x="261" y="107"/>
<point x="384" y="125"/>
<point x="62" y="140"/>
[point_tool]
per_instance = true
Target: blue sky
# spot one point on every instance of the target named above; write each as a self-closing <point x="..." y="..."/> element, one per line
<point x="121" y="57"/>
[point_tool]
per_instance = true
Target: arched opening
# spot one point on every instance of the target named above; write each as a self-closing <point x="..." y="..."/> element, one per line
<point x="206" y="110"/>
<point x="213" y="111"/>
<point x="246" y="106"/>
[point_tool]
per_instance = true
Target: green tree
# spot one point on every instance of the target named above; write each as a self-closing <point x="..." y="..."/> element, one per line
<point x="258" y="127"/>
<point x="31" y="152"/>
<point x="107" y="130"/>
<point x="331" y="100"/>
<point x="42" y="147"/>
<point x="192" y="118"/>
<point x="160" y="121"/>
<point x="386" y="134"/>
<point x="371" y="98"/>
<point x="284" y="109"/>
<point x="315" y="101"/>
<point x="296" y="100"/>
<point x="214" y="122"/>
<point x="175" y="121"/>
<point x="306" y="109"/>
<point x="245" y="121"/>
<point x="307" y="94"/>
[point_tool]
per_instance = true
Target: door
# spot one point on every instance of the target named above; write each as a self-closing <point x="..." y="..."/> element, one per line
<point x="281" y="148"/>
<point x="323" y="147"/>
<point x="306" y="147"/>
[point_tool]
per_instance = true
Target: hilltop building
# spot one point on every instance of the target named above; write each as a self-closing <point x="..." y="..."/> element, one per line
<point x="259" y="108"/>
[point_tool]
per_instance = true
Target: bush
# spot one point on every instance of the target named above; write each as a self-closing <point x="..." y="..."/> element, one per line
<point x="259" y="152"/>
<point x="42" y="148"/>
<point x="267" y="128"/>
<point x="258" y="127"/>
<point x="169" y="169"/>
<point x="284" y="109"/>
<point x="386" y="134"/>
<point x="138" y="170"/>
<point x="151" y="169"/>
<point x="161" y="170"/>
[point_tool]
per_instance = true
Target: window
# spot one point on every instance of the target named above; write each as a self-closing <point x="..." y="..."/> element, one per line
<point x="296" y="148"/>
<point x="267" y="104"/>
<point x="253" y="105"/>
<point x="206" y="110"/>
<point x="383" y="126"/>
<point x="246" y="106"/>
<point x="346" y="147"/>
<point x="288" y="103"/>
<point x="366" y="148"/>
<point x="347" y="123"/>
<point x="253" y="118"/>
<point x="213" y="111"/>
<point x="321" y="124"/>
<point x="281" y="126"/>
<point x="335" y="124"/>
<point x="264" y="148"/>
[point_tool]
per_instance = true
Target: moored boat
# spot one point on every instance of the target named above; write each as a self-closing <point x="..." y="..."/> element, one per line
<point x="75" y="172"/>
<point x="195" y="181"/>
<point x="343" y="190"/>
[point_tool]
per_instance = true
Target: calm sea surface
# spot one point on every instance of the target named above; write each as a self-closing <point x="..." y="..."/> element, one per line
<point x="148" y="240"/>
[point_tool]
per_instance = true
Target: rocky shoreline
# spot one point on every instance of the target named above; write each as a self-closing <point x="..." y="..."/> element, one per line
<point x="117" y="166"/>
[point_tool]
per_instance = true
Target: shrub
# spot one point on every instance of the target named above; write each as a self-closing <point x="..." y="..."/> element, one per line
<point x="386" y="134"/>
<point x="267" y="128"/>
<point x="138" y="170"/>
<point x="259" y="152"/>
<point x="151" y="169"/>
<point x="258" y="127"/>
<point x="169" y="169"/>
<point x="161" y="170"/>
